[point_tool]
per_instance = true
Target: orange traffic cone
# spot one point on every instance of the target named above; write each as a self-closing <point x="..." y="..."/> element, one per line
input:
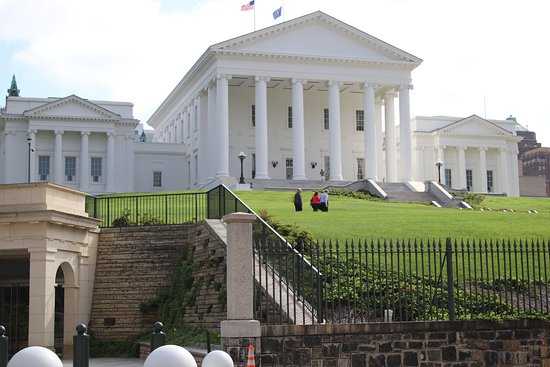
<point x="251" y="358"/>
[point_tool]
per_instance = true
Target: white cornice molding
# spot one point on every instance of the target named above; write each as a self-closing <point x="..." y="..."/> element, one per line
<point x="42" y="111"/>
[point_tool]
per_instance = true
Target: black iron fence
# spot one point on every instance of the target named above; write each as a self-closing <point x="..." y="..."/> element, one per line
<point x="366" y="281"/>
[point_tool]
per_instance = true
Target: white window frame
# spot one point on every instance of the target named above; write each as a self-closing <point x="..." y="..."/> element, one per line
<point x="74" y="180"/>
<point x="155" y="175"/>
<point x="100" y="177"/>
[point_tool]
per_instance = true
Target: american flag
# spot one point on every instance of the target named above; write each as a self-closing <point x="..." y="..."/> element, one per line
<point x="248" y="6"/>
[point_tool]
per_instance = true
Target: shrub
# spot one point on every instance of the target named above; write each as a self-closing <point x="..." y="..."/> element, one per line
<point x="474" y="199"/>
<point x="123" y="220"/>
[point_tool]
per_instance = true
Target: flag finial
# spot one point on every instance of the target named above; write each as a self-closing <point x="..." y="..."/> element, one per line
<point x="13" y="91"/>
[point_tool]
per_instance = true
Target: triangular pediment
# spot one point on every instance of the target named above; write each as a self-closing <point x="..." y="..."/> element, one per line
<point x="318" y="35"/>
<point x="72" y="107"/>
<point x="475" y="125"/>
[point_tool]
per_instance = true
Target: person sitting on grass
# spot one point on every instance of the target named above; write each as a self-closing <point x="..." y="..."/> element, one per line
<point x="324" y="201"/>
<point x="298" y="200"/>
<point x="315" y="201"/>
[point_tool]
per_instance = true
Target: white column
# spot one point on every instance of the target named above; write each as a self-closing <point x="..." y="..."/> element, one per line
<point x="84" y="161"/>
<point x="212" y="131"/>
<point x="261" y="128"/>
<point x="461" y="167"/>
<point x="391" y="162"/>
<point x="379" y="139"/>
<point x="203" y="138"/>
<point x="514" y="178"/>
<point x="32" y="163"/>
<point x="371" y="149"/>
<point x="41" y="298"/>
<point x="441" y="170"/>
<point x="483" y="169"/>
<point x="335" y="132"/>
<point x="405" y="133"/>
<point x="58" y="158"/>
<point x="222" y="107"/>
<point x="110" y="178"/>
<point x="298" y="135"/>
<point x="504" y="172"/>
<point x="130" y="158"/>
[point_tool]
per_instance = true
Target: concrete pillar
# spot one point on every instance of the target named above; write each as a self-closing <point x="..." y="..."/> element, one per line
<point x="240" y="278"/>
<point x="335" y="132"/>
<point x="298" y="144"/>
<point x="391" y="159"/>
<point x="222" y="107"/>
<point x="261" y="129"/>
<point x="110" y="183"/>
<point x="371" y="148"/>
<point x="212" y="131"/>
<point x="461" y="167"/>
<point x="70" y="317"/>
<point x="42" y="297"/>
<point x="379" y="139"/>
<point x="504" y="171"/>
<point x="130" y="157"/>
<point x="483" y="169"/>
<point x="405" y="133"/>
<point x="58" y="157"/>
<point x="84" y="161"/>
<point x="203" y="138"/>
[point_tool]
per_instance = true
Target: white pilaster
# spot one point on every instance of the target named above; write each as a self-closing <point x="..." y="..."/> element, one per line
<point x="391" y="161"/>
<point x="32" y="163"/>
<point x="222" y="107"/>
<point x="110" y="182"/>
<point x="483" y="169"/>
<point x="335" y="132"/>
<point x="261" y="129"/>
<point x="514" y="178"/>
<point x="212" y="131"/>
<point x="130" y="156"/>
<point x="371" y="148"/>
<point x="298" y="145"/>
<point x="379" y="139"/>
<point x="405" y="133"/>
<point x="84" y="161"/>
<point x="504" y="171"/>
<point x="461" y="167"/>
<point x="58" y="158"/>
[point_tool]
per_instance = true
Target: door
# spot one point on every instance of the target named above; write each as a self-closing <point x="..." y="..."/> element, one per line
<point x="289" y="168"/>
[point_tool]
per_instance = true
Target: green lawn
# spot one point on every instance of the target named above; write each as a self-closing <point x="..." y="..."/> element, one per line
<point x="355" y="218"/>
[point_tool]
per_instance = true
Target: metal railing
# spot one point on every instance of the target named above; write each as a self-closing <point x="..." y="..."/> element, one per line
<point x="405" y="280"/>
<point x="148" y="209"/>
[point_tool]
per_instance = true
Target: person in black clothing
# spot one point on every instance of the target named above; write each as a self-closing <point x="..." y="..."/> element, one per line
<point x="298" y="200"/>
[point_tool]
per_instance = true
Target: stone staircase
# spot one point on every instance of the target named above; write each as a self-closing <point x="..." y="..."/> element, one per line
<point x="402" y="193"/>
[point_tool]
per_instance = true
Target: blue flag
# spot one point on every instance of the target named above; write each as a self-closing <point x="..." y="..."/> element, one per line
<point x="277" y="13"/>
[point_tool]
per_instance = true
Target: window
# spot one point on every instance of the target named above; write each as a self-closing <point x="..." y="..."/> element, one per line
<point x="70" y="169"/>
<point x="253" y="115"/>
<point x="448" y="177"/>
<point x="359" y="120"/>
<point x="44" y="167"/>
<point x="360" y="168"/>
<point x="289" y="119"/>
<point x="289" y="168"/>
<point x="326" y="119"/>
<point x="157" y="179"/>
<point x="489" y="181"/>
<point x="469" y="180"/>
<point x="95" y="169"/>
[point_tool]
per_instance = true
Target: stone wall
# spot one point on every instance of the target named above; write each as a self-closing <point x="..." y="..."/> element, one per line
<point x="134" y="264"/>
<point x="425" y="344"/>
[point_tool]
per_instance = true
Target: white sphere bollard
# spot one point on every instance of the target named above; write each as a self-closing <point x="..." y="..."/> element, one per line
<point x="170" y="356"/>
<point x="217" y="358"/>
<point x="35" y="356"/>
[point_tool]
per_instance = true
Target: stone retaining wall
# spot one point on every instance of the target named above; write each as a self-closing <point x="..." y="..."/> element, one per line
<point x="135" y="263"/>
<point x="426" y="344"/>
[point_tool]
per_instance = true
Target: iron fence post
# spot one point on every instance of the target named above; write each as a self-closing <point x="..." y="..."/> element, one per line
<point x="81" y="347"/>
<point x="450" y="280"/>
<point x="208" y="343"/>
<point x="158" y="337"/>
<point x="3" y="347"/>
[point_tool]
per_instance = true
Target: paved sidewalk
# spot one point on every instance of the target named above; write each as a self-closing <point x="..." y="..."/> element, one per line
<point x="110" y="362"/>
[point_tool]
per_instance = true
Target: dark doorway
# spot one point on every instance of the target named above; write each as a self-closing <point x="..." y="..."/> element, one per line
<point x="59" y="311"/>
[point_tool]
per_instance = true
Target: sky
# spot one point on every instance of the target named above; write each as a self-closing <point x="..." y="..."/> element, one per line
<point x="485" y="57"/>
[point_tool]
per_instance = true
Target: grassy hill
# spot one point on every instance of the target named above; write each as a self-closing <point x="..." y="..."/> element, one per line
<point x="356" y="218"/>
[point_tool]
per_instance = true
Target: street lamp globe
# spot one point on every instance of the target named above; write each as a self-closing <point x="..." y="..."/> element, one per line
<point x="170" y="356"/>
<point x="35" y="356"/>
<point x="217" y="358"/>
<point x="242" y="155"/>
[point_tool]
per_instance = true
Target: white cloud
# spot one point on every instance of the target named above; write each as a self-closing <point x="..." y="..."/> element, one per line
<point x="131" y="50"/>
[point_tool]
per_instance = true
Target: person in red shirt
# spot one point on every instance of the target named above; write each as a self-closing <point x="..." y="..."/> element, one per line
<point x="315" y="201"/>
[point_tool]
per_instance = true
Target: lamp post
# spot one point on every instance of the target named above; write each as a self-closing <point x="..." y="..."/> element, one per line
<point x="438" y="164"/>
<point x="29" y="142"/>
<point x="242" y="156"/>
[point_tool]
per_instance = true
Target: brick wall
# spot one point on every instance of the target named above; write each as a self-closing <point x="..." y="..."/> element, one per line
<point x="135" y="263"/>
<point x="426" y="344"/>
